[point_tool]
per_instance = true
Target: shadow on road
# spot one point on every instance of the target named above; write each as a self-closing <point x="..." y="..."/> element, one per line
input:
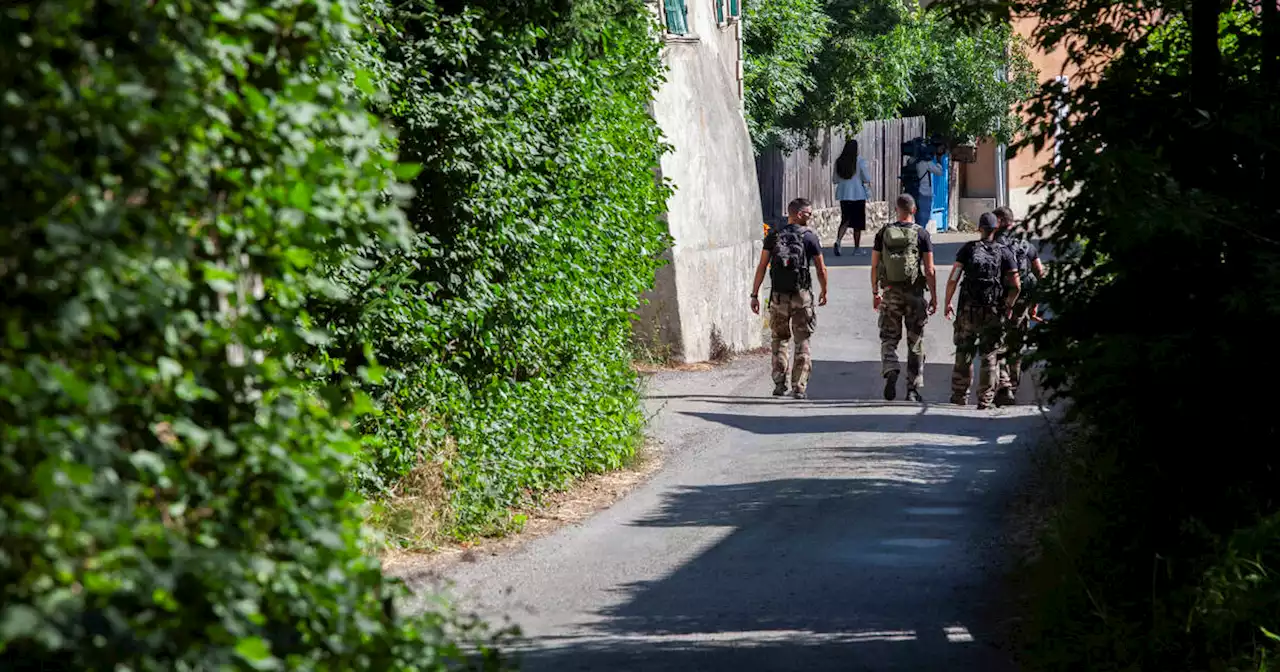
<point x="881" y="554"/>
<point x="792" y="583"/>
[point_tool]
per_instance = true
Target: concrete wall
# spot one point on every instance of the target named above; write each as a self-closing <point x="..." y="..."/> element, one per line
<point x="700" y="303"/>
<point x="979" y="177"/>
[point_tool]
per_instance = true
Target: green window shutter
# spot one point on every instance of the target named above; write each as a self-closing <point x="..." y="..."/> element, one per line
<point x="720" y="11"/>
<point x="677" y="22"/>
<point x="734" y="10"/>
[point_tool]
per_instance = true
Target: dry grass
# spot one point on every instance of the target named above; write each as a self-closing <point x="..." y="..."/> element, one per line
<point x="658" y="367"/>
<point x="413" y="516"/>
<point x="574" y="505"/>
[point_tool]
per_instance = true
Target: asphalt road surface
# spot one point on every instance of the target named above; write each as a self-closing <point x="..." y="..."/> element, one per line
<point x="842" y="532"/>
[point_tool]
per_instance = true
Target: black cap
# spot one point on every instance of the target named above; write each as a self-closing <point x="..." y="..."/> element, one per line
<point x="988" y="221"/>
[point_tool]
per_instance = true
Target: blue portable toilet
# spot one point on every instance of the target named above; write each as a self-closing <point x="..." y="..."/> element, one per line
<point x="939" y="213"/>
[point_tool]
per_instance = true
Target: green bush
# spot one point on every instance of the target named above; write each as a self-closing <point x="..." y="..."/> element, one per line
<point x="781" y="43"/>
<point x="505" y="326"/>
<point x="812" y="65"/>
<point x="1164" y="290"/>
<point x="171" y="486"/>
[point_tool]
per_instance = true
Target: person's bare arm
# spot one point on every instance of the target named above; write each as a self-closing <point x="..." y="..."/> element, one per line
<point x="821" y="265"/>
<point x="1039" y="267"/>
<point x="953" y="281"/>
<point x="755" y="286"/>
<point x="1015" y="287"/>
<point x="931" y="277"/>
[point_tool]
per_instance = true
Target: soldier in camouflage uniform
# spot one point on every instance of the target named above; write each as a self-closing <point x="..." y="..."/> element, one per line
<point x="1017" y="328"/>
<point x="902" y="265"/>
<point x="986" y="267"/>
<point x="788" y="252"/>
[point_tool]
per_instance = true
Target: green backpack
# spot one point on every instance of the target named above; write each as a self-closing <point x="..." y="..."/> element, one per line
<point x="901" y="255"/>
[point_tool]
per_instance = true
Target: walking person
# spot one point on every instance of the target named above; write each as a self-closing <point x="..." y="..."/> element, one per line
<point x="853" y="187"/>
<point x="901" y="269"/>
<point x="788" y="251"/>
<point x="1018" y="327"/>
<point x="918" y="178"/>
<point x="982" y="270"/>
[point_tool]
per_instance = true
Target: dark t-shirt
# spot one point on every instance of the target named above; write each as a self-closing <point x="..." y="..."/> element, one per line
<point x="812" y="248"/>
<point x="926" y="243"/>
<point x="965" y="258"/>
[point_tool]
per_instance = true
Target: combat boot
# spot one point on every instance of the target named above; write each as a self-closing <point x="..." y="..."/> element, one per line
<point x="891" y="386"/>
<point x="1005" y="397"/>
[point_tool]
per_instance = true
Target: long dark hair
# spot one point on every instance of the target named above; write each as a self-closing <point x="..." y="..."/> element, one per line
<point x="848" y="161"/>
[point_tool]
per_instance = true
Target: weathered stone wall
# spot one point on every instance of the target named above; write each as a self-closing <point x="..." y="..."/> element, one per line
<point x="826" y="222"/>
<point x="699" y="306"/>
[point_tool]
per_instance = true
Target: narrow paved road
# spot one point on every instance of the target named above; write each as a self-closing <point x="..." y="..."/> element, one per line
<point x="838" y="533"/>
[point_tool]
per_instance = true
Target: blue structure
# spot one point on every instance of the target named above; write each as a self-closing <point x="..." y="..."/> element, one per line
<point x="940" y="211"/>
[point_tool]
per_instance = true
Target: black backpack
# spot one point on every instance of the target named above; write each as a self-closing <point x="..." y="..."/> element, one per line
<point x="983" y="283"/>
<point x="788" y="262"/>
<point x="1022" y="254"/>
<point x="911" y="179"/>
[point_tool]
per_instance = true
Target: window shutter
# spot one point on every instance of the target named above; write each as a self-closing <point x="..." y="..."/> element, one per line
<point x="734" y="10"/>
<point x="676" y="17"/>
<point x="720" y="12"/>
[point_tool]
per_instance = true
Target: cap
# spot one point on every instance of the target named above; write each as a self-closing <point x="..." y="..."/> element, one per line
<point x="988" y="221"/>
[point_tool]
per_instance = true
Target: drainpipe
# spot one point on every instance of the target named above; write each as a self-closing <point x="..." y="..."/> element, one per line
<point x="742" y="54"/>
<point x="1002" y="164"/>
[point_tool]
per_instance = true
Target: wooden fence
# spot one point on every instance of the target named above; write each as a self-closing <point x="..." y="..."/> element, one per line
<point x="784" y="176"/>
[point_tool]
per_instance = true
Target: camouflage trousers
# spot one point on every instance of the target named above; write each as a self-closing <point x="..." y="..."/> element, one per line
<point x="791" y="315"/>
<point x="903" y="310"/>
<point x="978" y="331"/>
<point x="1015" y="339"/>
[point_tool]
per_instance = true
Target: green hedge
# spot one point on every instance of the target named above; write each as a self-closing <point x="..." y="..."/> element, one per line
<point x="505" y="327"/>
<point x="1164" y="297"/>
<point x="171" y="484"/>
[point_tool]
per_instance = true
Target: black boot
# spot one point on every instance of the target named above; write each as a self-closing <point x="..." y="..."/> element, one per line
<point x="1005" y="397"/>
<point x="891" y="386"/>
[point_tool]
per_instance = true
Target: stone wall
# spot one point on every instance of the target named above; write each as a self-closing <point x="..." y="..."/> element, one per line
<point x="826" y="222"/>
<point x="699" y="305"/>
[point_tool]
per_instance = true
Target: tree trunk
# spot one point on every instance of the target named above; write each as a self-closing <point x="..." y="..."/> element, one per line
<point x="1205" y="55"/>
<point x="1270" y="45"/>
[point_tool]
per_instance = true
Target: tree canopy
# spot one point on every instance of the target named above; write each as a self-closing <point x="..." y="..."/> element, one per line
<point x="812" y="65"/>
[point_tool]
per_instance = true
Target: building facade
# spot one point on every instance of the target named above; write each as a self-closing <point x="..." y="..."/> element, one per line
<point x="997" y="178"/>
<point x="699" y="307"/>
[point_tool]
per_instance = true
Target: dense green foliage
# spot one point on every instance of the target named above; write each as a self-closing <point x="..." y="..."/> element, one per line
<point x="781" y="43"/>
<point x="172" y="493"/>
<point x="971" y="82"/>
<point x="504" y="327"/>
<point x="1165" y="549"/>
<point x="839" y="63"/>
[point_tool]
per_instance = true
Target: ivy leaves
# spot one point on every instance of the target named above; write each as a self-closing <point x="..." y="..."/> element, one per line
<point x="173" y="481"/>
<point x="505" y="323"/>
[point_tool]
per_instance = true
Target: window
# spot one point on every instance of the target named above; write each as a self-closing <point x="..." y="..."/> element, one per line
<point x="727" y="10"/>
<point x="677" y="17"/>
